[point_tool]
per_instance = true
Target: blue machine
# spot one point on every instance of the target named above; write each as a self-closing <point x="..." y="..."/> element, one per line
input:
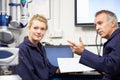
<point x="9" y="56"/>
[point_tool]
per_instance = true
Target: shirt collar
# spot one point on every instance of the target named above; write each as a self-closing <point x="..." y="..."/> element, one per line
<point x="117" y="31"/>
<point x="27" y="41"/>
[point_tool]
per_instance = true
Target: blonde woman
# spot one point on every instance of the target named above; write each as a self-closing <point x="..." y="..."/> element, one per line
<point x="33" y="62"/>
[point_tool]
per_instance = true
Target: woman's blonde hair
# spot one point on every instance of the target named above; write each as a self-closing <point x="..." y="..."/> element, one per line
<point x="40" y="18"/>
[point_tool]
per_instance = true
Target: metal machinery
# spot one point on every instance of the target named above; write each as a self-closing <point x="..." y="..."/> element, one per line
<point x="9" y="56"/>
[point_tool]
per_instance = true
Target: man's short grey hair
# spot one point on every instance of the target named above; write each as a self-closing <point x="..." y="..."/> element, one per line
<point x="111" y="15"/>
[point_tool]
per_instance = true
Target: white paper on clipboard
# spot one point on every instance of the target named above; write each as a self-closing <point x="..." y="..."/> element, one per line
<point x="72" y="65"/>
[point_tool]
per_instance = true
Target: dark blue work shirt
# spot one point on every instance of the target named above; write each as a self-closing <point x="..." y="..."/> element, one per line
<point x="33" y="63"/>
<point x="109" y="63"/>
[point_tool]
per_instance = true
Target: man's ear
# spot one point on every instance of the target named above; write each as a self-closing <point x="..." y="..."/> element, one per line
<point x="113" y="23"/>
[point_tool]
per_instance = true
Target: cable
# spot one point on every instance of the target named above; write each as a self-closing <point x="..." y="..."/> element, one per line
<point x="98" y="45"/>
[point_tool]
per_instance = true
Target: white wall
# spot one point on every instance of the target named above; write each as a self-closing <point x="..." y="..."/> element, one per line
<point x="62" y="19"/>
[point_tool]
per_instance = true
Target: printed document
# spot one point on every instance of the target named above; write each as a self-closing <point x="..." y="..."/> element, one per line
<point x="72" y="65"/>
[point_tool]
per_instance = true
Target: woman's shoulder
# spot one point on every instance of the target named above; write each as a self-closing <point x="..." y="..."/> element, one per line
<point x="22" y="45"/>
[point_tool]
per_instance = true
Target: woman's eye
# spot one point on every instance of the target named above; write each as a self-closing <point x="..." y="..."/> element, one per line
<point x="43" y="29"/>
